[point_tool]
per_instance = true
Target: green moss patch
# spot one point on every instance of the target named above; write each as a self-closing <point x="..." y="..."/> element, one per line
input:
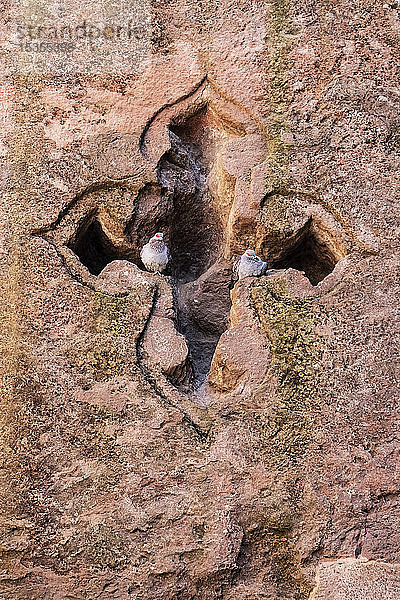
<point x="289" y="324"/>
<point x="106" y="356"/>
<point x="279" y="43"/>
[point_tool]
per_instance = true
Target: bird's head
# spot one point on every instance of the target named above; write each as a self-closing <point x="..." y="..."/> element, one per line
<point x="158" y="236"/>
<point x="250" y="253"/>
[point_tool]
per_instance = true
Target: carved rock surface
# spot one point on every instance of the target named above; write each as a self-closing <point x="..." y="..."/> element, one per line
<point x="265" y="124"/>
<point x="167" y="348"/>
<point x="348" y="579"/>
<point x="119" y="276"/>
<point x="241" y="356"/>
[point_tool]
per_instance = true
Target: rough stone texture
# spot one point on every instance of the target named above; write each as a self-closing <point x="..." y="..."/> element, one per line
<point x="241" y="356"/>
<point x="166" y="347"/>
<point x="349" y="579"/>
<point x="265" y="124"/>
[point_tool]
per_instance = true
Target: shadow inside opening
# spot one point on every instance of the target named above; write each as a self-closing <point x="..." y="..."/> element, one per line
<point x="310" y="254"/>
<point x="93" y="247"/>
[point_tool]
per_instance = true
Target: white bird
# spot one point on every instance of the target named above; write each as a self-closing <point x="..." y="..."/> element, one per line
<point x="155" y="255"/>
<point x="250" y="265"/>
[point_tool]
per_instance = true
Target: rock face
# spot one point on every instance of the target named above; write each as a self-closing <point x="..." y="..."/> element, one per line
<point x="184" y="436"/>
<point x="348" y="578"/>
<point x="167" y="348"/>
<point x="241" y="356"/>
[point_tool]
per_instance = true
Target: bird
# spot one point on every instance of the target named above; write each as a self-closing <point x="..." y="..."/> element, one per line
<point x="155" y="254"/>
<point x="250" y="265"/>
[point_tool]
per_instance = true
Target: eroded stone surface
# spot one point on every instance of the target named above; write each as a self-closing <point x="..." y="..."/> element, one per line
<point x="114" y="484"/>
<point x="241" y="356"/>
<point x="166" y="348"/>
<point x="348" y="579"/>
<point x="119" y="277"/>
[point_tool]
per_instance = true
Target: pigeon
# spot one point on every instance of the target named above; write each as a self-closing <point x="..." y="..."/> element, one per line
<point x="155" y="255"/>
<point x="250" y="265"/>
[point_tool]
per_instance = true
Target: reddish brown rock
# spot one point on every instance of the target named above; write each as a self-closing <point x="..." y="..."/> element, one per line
<point x="166" y="348"/>
<point x="119" y="277"/>
<point x="241" y="356"/>
<point x="232" y="359"/>
<point x="348" y="579"/>
<point x="273" y="125"/>
<point x="208" y="299"/>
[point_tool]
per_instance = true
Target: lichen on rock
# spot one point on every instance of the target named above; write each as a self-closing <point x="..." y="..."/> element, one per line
<point x="289" y="323"/>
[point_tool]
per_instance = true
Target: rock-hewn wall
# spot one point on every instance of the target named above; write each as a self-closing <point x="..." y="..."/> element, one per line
<point x="187" y="436"/>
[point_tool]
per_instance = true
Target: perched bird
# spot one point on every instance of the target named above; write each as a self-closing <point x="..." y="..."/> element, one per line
<point x="250" y="265"/>
<point x="155" y="255"/>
